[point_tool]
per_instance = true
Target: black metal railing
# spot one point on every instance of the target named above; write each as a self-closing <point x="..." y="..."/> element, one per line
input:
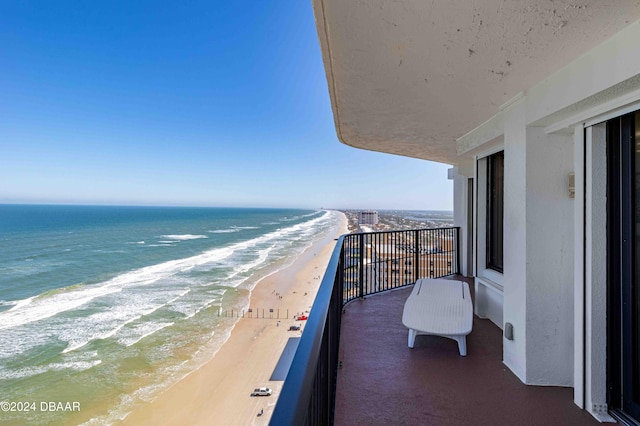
<point x="361" y="264"/>
<point x="380" y="261"/>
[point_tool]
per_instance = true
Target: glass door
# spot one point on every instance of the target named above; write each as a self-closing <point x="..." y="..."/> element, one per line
<point x="623" y="232"/>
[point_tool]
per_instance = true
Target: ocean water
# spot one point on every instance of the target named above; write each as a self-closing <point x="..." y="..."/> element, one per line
<point x="106" y="306"/>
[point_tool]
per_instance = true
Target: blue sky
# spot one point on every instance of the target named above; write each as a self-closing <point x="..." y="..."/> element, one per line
<point x="207" y="103"/>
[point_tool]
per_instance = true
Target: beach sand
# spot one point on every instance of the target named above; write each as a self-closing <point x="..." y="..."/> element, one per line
<point x="218" y="393"/>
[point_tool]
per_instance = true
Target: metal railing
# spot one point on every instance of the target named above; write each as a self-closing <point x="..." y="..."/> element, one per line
<point x="361" y="264"/>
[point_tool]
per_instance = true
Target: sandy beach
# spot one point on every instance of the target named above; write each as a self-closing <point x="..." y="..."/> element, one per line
<point x="218" y="393"/>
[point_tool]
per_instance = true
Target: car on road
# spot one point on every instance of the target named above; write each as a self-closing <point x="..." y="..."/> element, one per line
<point x="294" y="328"/>
<point x="261" y="392"/>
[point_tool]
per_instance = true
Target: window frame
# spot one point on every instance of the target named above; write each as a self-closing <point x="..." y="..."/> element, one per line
<point x="495" y="212"/>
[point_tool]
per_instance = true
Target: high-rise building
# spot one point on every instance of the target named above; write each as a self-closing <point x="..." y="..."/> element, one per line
<point x="368" y="217"/>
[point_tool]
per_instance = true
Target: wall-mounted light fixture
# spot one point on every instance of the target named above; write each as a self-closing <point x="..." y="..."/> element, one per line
<point x="572" y="185"/>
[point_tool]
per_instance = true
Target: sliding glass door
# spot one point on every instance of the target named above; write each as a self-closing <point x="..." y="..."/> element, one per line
<point x="623" y="232"/>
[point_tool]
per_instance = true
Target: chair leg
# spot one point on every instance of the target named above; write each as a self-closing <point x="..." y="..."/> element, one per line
<point x="462" y="345"/>
<point x="412" y="337"/>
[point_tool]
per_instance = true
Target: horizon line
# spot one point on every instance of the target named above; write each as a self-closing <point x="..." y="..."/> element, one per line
<point x="80" y="204"/>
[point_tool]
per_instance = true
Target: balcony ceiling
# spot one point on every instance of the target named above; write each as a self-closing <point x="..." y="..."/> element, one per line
<point x="409" y="77"/>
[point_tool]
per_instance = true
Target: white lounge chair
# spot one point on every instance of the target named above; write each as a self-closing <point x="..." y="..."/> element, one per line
<point x="439" y="307"/>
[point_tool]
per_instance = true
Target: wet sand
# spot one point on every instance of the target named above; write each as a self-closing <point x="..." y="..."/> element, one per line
<point x="218" y="393"/>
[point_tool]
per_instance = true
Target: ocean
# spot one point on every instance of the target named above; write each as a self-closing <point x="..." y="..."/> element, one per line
<point x="106" y="306"/>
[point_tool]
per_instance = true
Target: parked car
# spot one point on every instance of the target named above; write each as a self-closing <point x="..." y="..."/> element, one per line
<point x="303" y="318"/>
<point x="294" y="328"/>
<point x="261" y="392"/>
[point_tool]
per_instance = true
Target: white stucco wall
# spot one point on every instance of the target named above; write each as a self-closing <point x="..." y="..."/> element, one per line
<point x="460" y="177"/>
<point x="538" y="252"/>
<point x="515" y="238"/>
<point x="571" y="89"/>
<point x="460" y="216"/>
<point x="549" y="242"/>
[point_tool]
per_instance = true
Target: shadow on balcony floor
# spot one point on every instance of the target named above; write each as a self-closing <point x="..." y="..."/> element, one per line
<point x="383" y="382"/>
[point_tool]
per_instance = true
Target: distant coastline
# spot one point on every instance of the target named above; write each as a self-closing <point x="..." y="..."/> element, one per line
<point x="397" y="220"/>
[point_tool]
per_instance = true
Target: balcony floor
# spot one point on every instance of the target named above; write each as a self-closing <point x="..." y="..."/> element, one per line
<point x="383" y="382"/>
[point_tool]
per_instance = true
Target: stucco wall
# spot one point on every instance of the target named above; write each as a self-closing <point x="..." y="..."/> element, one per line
<point x="549" y="227"/>
<point x="460" y="177"/>
<point x="538" y="252"/>
<point x="460" y="216"/>
<point x="574" y="87"/>
<point x="515" y="238"/>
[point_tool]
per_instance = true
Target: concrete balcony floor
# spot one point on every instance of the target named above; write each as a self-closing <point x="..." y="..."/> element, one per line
<point x="383" y="382"/>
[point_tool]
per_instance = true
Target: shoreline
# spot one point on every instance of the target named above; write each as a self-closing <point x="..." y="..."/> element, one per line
<point x="218" y="392"/>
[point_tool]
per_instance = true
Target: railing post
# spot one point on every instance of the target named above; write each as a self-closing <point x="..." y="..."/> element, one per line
<point x="361" y="266"/>
<point x="416" y="255"/>
<point x="457" y="250"/>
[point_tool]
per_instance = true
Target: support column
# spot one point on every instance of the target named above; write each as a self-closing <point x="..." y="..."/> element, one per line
<point x="538" y="252"/>
<point x="550" y="247"/>
<point x="460" y="176"/>
<point x="515" y="238"/>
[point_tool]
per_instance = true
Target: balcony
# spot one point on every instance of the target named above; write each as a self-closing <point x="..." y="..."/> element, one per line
<point x="382" y="381"/>
<point x="353" y="365"/>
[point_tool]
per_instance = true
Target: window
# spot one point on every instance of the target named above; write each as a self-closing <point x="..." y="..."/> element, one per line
<point x="495" y="207"/>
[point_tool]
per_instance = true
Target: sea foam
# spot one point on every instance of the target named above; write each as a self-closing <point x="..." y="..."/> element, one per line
<point x="156" y="313"/>
<point x="127" y="307"/>
<point x="140" y="331"/>
<point x="183" y="237"/>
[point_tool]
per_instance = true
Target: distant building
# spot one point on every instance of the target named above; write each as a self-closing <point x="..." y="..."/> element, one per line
<point x="369" y="217"/>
